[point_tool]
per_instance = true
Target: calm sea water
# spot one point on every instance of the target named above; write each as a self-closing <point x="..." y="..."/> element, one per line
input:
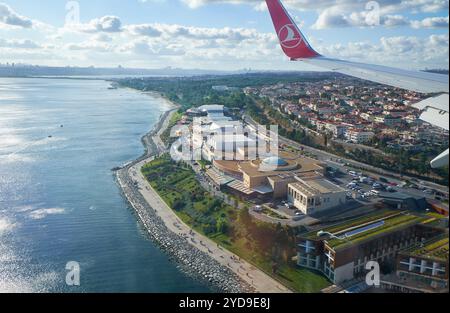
<point x="58" y="198"/>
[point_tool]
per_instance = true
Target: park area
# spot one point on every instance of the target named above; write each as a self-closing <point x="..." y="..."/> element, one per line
<point x="268" y="247"/>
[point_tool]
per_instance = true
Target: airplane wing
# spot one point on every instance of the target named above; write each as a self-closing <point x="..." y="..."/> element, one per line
<point x="434" y="110"/>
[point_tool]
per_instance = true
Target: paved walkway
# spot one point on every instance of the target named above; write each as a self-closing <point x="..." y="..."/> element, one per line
<point x="252" y="275"/>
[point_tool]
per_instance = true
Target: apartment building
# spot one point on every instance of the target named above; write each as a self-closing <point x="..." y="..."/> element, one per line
<point x="359" y="136"/>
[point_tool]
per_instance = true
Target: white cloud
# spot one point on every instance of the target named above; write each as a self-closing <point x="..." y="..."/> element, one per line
<point x="170" y="31"/>
<point x="10" y="18"/>
<point x="431" y="22"/>
<point x="144" y="30"/>
<point x="389" y="6"/>
<point x="105" y="41"/>
<point x="102" y="38"/>
<point x="20" y="44"/>
<point x="106" y="24"/>
<point x="406" y="51"/>
<point x="353" y="13"/>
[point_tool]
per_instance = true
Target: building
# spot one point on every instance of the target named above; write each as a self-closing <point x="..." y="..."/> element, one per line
<point x="425" y="265"/>
<point x="217" y="136"/>
<point x="223" y="88"/>
<point x="226" y="146"/>
<point x="266" y="176"/>
<point x="359" y="136"/>
<point x="212" y="109"/>
<point x="341" y="251"/>
<point x="338" y="130"/>
<point x="403" y="200"/>
<point x="315" y="195"/>
<point x="388" y="120"/>
<point x="193" y="112"/>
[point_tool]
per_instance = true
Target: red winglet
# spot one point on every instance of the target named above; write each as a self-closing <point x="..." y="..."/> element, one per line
<point x="292" y="41"/>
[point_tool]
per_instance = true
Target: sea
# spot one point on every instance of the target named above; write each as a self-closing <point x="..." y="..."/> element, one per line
<point x="61" y="212"/>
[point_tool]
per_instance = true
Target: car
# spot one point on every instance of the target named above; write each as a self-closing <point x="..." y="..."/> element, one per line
<point x="376" y="186"/>
<point x="428" y="191"/>
<point x="257" y="209"/>
<point x="298" y="213"/>
<point x="363" y="179"/>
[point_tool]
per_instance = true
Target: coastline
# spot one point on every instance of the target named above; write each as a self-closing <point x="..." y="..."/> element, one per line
<point x="194" y="262"/>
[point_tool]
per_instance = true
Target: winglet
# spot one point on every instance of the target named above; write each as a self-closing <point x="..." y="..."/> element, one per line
<point x="292" y="41"/>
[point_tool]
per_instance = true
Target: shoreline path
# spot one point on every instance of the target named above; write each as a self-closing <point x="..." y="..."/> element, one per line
<point x="249" y="274"/>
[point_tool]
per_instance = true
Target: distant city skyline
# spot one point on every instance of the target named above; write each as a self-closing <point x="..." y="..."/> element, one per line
<point x="219" y="34"/>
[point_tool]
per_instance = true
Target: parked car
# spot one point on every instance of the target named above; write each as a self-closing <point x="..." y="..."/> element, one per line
<point x="376" y="186"/>
<point x="257" y="208"/>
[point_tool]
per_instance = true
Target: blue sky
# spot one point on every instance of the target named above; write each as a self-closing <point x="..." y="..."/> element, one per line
<point x="219" y="34"/>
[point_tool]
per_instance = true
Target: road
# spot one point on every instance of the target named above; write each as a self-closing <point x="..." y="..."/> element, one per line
<point x="328" y="158"/>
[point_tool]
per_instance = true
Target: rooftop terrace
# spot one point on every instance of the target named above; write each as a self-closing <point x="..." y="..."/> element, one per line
<point x="367" y="227"/>
<point x="436" y="248"/>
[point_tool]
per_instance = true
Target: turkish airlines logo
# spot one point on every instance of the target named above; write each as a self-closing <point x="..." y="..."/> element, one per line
<point x="289" y="36"/>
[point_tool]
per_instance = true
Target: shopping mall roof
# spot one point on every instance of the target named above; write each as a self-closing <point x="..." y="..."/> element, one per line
<point x="275" y="161"/>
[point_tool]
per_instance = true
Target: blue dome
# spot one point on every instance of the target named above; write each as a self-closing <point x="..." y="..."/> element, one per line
<point x="275" y="161"/>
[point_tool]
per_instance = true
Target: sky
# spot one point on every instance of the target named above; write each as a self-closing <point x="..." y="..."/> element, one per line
<point x="220" y="34"/>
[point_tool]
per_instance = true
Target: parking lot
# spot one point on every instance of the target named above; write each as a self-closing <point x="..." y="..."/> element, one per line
<point x="365" y="187"/>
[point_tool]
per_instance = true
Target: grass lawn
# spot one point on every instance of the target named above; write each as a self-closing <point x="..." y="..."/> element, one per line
<point x="262" y="245"/>
<point x="165" y="136"/>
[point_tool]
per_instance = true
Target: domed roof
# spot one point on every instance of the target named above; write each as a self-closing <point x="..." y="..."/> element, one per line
<point x="275" y="161"/>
